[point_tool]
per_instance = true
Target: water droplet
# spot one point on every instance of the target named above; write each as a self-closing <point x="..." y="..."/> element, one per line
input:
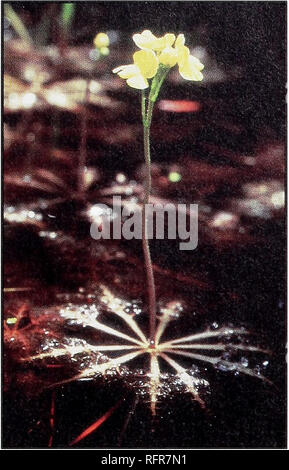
<point x="225" y="366"/>
<point x="244" y="362"/>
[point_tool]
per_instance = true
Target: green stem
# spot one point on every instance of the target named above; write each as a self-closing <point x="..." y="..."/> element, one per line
<point x="143" y="106"/>
<point x="147" y="117"/>
<point x="157" y="82"/>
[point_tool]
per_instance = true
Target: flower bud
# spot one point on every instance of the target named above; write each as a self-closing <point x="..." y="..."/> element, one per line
<point x="101" y="40"/>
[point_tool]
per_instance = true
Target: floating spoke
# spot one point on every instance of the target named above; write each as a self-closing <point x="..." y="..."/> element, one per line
<point x="111" y="364"/>
<point x="154" y="382"/>
<point x="58" y="352"/>
<point x="115" y="306"/>
<point x="74" y="350"/>
<point x="216" y="360"/>
<point x="216" y="347"/>
<point x="114" y="347"/>
<point x="111" y="331"/>
<point x="187" y="379"/>
<point x="206" y="334"/>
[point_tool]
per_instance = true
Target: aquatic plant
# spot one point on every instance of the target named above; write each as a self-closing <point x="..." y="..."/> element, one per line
<point x="153" y="61"/>
<point x="122" y="346"/>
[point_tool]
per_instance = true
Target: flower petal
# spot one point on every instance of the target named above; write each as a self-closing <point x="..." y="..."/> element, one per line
<point x="147" y="40"/>
<point x="147" y="62"/>
<point x="169" y="39"/>
<point x="165" y="41"/>
<point x="198" y="64"/>
<point x="144" y="40"/>
<point x="180" y="41"/>
<point x="191" y="69"/>
<point x="127" y="71"/>
<point x="169" y="57"/>
<point x="183" y="55"/>
<point x="138" y="81"/>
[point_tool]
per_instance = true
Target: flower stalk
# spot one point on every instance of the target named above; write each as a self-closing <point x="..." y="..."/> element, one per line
<point x="153" y="61"/>
<point x="147" y="117"/>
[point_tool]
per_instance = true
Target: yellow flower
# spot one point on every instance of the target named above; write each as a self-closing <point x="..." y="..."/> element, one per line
<point x="189" y="66"/>
<point x="167" y="51"/>
<point x="145" y="66"/>
<point x="101" y="40"/>
<point x="147" y="40"/>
